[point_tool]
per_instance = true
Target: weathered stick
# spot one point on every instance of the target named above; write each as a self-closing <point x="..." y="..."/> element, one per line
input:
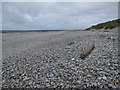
<point x="87" y="51"/>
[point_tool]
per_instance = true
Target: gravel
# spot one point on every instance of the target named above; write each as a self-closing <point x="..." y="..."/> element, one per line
<point x="58" y="65"/>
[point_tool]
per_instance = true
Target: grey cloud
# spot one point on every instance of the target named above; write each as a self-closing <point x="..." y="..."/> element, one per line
<point x="52" y="15"/>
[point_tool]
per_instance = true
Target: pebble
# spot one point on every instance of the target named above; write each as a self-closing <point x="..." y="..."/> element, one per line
<point x="110" y="85"/>
<point x="78" y="82"/>
<point x="73" y="59"/>
<point x="104" y="77"/>
<point x="58" y="65"/>
<point x="89" y="75"/>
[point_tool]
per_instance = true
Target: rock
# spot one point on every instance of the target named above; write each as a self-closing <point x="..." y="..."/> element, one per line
<point x="73" y="59"/>
<point x="110" y="85"/>
<point x="25" y="78"/>
<point x="78" y="81"/>
<point x="10" y="56"/>
<point x="94" y="84"/>
<point x="89" y="75"/>
<point x="47" y="85"/>
<point x="104" y="77"/>
<point x="46" y="80"/>
<point x="57" y="64"/>
<point x="85" y="67"/>
<point x="102" y="72"/>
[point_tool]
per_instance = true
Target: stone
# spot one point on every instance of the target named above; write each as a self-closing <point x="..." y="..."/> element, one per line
<point x="104" y="77"/>
<point x="73" y="59"/>
<point x="89" y="75"/>
<point x="110" y="85"/>
<point x="78" y="81"/>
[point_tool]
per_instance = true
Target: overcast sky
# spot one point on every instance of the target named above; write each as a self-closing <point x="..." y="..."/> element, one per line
<point x="56" y="15"/>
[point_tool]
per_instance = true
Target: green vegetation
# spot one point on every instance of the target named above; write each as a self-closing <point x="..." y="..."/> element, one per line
<point x="107" y="25"/>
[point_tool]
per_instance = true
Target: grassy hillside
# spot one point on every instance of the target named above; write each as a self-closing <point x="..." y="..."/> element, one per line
<point x="107" y="25"/>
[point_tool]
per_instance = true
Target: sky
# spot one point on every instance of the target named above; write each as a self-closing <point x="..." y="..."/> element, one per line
<point x="56" y="15"/>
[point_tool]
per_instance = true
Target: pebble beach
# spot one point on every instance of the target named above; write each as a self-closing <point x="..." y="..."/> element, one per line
<point x="48" y="61"/>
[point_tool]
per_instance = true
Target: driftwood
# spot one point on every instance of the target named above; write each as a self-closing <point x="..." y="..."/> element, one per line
<point x="87" y="51"/>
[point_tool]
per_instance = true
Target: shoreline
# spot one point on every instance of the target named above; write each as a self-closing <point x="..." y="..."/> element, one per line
<point x="50" y="62"/>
